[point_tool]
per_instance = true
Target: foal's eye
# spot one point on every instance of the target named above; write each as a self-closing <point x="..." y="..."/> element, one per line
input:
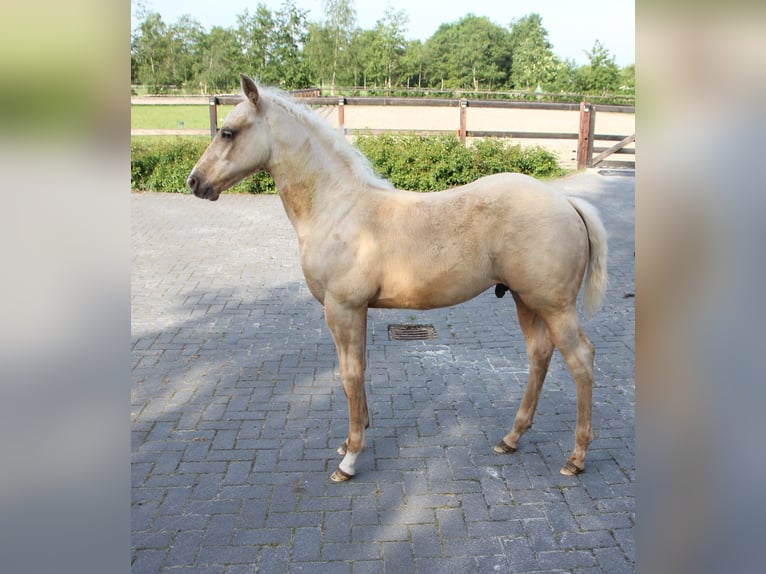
<point x="227" y="134"/>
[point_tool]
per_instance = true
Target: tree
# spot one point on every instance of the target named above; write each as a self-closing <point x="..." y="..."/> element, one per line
<point x="283" y="48"/>
<point x="318" y="52"/>
<point x="391" y="29"/>
<point x="151" y="49"/>
<point x="563" y="81"/>
<point x="601" y="75"/>
<point x="163" y="56"/>
<point x="628" y="79"/>
<point x="252" y="34"/>
<point x="287" y="66"/>
<point x="414" y="62"/>
<point x="366" y="66"/>
<point x="471" y="53"/>
<point x="185" y="41"/>
<point x="272" y="44"/>
<point x="533" y="60"/>
<point x="340" y="21"/>
<point x="139" y="9"/>
<point x="220" y="48"/>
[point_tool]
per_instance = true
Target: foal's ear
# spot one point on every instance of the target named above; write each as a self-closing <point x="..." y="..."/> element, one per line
<point x="250" y="90"/>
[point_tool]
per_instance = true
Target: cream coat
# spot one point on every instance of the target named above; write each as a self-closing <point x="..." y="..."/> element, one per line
<point x="364" y="244"/>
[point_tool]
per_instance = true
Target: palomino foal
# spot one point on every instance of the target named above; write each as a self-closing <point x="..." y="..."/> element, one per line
<point x="364" y="244"/>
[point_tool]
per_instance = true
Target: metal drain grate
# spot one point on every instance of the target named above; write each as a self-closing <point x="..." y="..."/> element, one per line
<point x="411" y="332"/>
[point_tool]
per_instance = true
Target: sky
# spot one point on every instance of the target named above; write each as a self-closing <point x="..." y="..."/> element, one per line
<point x="573" y="25"/>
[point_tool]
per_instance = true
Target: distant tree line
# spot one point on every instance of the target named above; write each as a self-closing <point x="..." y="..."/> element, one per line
<point x="283" y="48"/>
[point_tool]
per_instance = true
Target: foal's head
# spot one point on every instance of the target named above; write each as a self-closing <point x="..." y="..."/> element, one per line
<point x="240" y="148"/>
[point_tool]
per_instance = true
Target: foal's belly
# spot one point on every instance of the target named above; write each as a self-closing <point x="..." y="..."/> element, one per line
<point x="422" y="293"/>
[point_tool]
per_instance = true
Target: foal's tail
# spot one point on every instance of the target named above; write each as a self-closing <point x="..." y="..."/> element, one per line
<point x="595" y="276"/>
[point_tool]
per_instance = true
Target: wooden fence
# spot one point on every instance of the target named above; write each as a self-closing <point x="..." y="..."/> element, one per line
<point x="585" y="136"/>
<point x="592" y="149"/>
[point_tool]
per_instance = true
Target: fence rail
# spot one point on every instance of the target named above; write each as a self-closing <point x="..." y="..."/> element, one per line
<point x="585" y="137"/>
<point x="233" y="100"/>
<point x="414" y="92"/>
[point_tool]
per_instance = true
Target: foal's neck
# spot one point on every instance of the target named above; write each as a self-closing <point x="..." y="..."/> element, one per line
<point x="307" y="176"/>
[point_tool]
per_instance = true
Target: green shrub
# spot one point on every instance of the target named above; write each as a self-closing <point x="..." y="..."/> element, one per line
<point x="143" y="160"/>
<point x="433" y="163"/>
<point x="174" y="164"/>
<point x="538" y="162"/>
<point x="417" y="163"/>
<point x="163" y="164"/>
<point x="494" y="156"/>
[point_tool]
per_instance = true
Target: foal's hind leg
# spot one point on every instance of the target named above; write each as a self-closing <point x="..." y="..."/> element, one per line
<point x="578" y="353"/>
<point x="539" y="352"/>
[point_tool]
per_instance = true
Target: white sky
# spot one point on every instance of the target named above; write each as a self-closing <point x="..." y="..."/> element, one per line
<point x="573" y="25"/>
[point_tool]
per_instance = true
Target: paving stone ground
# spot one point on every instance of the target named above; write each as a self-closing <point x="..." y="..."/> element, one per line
<point x="237" y="408"/>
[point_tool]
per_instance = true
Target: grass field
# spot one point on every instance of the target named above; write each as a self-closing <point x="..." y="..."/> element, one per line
<point x="170" y="117"/>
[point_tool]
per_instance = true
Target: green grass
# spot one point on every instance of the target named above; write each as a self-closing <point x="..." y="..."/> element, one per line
<point x="169" y="117"/>
<point x="166" y="140"/>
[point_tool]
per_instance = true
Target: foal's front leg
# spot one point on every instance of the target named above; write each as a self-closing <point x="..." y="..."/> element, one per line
<point x="348" y="326"/>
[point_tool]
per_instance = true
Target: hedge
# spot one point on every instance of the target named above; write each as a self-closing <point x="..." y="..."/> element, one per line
<point x="163" y="164"/>
<point x="433" y="163"/>
<point x="417" y="163"/>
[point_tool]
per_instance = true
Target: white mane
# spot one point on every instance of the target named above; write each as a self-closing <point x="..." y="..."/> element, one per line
<point x="332" y="140"/>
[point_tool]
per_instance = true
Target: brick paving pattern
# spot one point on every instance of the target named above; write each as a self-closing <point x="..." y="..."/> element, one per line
<point x="237" y="409"/>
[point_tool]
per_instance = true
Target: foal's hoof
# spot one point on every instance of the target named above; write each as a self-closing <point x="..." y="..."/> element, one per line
<point x="503" y="448"/>
<point x="340" y="475"/>
<point x="570" y="469"/>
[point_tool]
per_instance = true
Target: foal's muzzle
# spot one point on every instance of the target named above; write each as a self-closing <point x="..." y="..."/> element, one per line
<point x="200" y="188"/>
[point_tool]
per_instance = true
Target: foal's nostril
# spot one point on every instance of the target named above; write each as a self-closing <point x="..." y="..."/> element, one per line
<point x="192" y="183"/>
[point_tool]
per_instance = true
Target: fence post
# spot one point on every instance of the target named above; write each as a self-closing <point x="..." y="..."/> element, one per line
<point x="342" y="115"/>
<point x="213" y="105"/>
<point x="585" y="135"/>
<point x="463" y="120"/>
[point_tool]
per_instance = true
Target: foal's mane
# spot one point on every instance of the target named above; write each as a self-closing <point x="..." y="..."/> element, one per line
<point x="332" y="140"/>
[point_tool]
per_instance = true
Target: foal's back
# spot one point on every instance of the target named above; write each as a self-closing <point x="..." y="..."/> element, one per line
<point x="438" y="249"/>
